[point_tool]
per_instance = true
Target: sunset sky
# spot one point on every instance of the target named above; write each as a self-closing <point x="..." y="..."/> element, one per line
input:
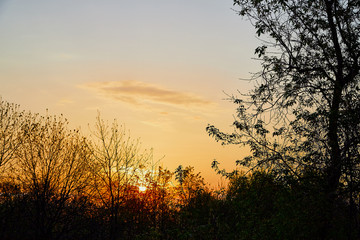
<point x="160" y="67"/>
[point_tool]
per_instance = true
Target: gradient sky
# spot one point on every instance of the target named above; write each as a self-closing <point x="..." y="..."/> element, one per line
<point x="160" y="67"/>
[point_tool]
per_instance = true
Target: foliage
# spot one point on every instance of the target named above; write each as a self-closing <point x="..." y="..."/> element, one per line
<point x="190" y="184"/>
<point x="56" y="184"/>
<point x="301" y="122"/>
<point x="303" y="114"/>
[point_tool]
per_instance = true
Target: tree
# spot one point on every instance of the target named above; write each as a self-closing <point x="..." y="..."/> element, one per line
<point x="159" y="199"/>
<point x="304" y="111"/>
<point x="10" y="124"/>
<point x="260" y="206"/>
<point x="201" y="212"/>
<point x="191" y="184"/>
<point x="148" y="212"/>
<point x="51" y="170"/>
<point x="11" y="120"/>
<point x="115" y="162"/>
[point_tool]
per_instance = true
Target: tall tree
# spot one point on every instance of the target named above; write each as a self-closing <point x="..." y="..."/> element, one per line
<point x="51" y="169"/>
<point x="304" y="112"/>
<point x="115" y="164"/>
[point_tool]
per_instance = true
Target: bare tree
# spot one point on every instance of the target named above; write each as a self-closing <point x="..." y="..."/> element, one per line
<point x="51" y="168"/>
<point x="10" y="125"/>
<point x="115" y="163"/>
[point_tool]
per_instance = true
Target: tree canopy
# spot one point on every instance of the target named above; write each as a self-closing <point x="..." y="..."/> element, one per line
<point x="303" y="113"/>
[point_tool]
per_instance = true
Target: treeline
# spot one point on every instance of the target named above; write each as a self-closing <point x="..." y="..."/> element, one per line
<point x="57" y="184"/>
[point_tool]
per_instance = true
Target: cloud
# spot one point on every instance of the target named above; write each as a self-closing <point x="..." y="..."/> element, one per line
<point x="140" y="93"/>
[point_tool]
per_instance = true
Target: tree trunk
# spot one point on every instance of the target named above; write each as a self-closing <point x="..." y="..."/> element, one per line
<point x="333" y="168"/>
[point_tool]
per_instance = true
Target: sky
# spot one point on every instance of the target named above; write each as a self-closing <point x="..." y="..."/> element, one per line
<point x="162" y="68"/>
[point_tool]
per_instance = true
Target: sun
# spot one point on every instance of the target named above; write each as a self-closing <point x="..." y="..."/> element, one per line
<point x="142" y="188"/>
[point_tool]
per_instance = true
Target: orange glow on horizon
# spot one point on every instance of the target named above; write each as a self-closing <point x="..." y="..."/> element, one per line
<point x="142" y="188"/>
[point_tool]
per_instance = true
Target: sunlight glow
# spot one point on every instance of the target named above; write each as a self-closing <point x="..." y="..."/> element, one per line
<point x="142" y="188"/>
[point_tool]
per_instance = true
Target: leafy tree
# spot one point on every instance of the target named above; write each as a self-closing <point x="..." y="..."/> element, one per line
<point x="159" y="199"/>
<point x="190" y="184"/>
<point x="304" y="112"/>
<point x="147" y="213"/>
<point x="197" y="206"/>
<point x="261" y="206"/>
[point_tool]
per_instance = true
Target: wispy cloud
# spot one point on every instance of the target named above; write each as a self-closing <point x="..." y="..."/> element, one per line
<point x="141" y="93"/>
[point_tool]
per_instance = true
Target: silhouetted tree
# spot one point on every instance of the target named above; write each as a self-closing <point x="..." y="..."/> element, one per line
<point x="51" y="168"/>
<point x="190" y="184"/>
<point x="198" y="208"/>
<point x="159" y="200"/>
<point x="11" y="120"/>
<point x="304" y="111"/>
<point x="115" y="162"/>
<point x="261" y="206"/>
<point x="60" y="185"/>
